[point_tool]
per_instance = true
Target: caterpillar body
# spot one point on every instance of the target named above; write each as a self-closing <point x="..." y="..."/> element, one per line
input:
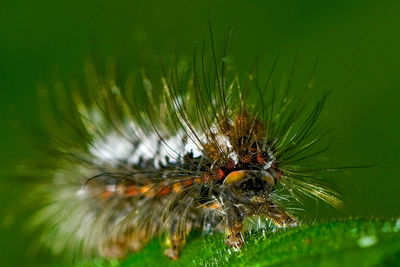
<point x="197" y="153"/>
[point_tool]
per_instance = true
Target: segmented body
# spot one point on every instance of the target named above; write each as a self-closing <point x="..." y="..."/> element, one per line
<point x="195" y="155"/>
<point x="196" y="191"/>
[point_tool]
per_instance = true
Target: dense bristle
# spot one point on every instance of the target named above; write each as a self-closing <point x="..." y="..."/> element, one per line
<point x="187" y="151"/>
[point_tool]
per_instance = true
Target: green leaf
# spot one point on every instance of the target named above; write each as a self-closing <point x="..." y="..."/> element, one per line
<point x="340" y="243"/>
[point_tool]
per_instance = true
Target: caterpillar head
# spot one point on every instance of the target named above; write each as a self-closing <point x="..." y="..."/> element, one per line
<point x="251" y="187"/>
<point x="255" y="174"/>
<point x="247" y="170"/>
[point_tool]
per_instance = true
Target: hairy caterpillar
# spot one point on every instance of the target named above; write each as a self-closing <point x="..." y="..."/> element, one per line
<point x="191" y="151"/>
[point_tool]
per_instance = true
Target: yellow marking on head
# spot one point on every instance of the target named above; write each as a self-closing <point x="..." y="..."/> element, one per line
<point x="234" y="177"/>
<point x="269" y="179"/>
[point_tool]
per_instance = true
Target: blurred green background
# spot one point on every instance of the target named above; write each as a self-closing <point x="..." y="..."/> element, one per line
<point x="358" y="44"/>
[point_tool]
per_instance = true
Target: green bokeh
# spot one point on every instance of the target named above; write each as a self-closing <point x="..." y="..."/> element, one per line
<point x="357" y="43"/>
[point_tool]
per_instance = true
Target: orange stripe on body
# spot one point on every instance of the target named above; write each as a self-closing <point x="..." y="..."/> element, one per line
<point x="164" y="191"/>
<point x="177" y="187"/>
<point x="189" y="182"/>
<point x="105" y="195"/>
<point x="220" y="174"/>
<point x="213" y="206"/>
<point x="132" y="191"/>
<point x="260" y="159"/>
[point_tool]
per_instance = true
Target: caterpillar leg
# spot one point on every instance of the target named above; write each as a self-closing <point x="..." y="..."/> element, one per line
<point x="176" y="244"/>
<point x="235" y="238"/>
<point x="280" y="217"/>
<point x="137" y="242"/>
<point x="176" y="240"/>
<point x="118" y="247"/>
<point x="113" y="249"/>
<point x="235" y="223"/>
